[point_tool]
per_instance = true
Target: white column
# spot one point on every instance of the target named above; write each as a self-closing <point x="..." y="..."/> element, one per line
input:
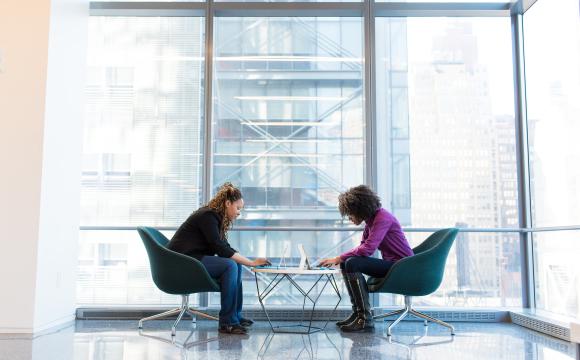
<point x="42" y="67"/>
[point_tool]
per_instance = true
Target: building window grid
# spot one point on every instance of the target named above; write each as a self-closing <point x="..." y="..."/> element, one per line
<point x="369" y="61"/>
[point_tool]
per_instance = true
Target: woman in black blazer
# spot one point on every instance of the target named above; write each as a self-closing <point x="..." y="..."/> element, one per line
<point x="203" y="236"/>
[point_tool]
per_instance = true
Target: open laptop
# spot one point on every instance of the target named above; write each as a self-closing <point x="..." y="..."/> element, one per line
<point x="305" y="263"/>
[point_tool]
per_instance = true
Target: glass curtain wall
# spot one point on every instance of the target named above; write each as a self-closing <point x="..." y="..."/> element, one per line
<point x="142" y="147"/>
<point x="288" y="128"/>
<point x="552" y="58"/>
<point x="445" y="110"/>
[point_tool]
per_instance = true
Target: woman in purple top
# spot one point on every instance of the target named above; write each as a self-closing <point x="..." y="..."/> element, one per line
<point x="383" y="232"/>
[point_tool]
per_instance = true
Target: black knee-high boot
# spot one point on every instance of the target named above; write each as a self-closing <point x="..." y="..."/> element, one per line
<point x="363" y="321"/>
<point x="352" y="316"/>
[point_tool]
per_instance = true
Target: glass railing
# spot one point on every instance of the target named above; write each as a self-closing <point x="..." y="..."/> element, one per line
<point x="483" y="268"/>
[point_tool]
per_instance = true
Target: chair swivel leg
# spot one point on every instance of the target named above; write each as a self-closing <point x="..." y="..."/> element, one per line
<point x="174" y="327"/>
<point x="193" y="312"/>
<point x="391" y="313"/>
<point x="408" y="310"/>
<point x="159" y="316"/>
<point x="404" y="312"/>
<point x="432" y="319"/>
<point x="397" y="320"/>
<point x="183" y="309"/>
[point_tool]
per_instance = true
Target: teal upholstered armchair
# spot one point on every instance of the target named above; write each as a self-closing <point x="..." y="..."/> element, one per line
<point x="176" y="274"/>
<point x="417" y="275"/>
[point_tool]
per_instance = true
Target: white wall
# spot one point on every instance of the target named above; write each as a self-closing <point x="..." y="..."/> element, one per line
<point x="61" y="170"/>
<point x="42" y="45"/>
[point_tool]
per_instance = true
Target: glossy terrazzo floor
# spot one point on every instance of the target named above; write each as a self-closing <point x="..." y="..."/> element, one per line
<point x="117" y="339"/>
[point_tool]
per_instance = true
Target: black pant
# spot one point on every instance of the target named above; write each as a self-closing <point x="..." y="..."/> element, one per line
<point x="366" y="265"/>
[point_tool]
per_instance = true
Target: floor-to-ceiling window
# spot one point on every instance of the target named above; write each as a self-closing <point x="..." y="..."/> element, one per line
<point x="288" y="128"/>
<point x="143" y="140"/>
<point x="445" y="117"/>
<point x="304" y="104"/>
<point x="552" y="58"/>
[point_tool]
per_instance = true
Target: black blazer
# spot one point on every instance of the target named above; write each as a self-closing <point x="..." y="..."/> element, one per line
<point x="199" y="236"/>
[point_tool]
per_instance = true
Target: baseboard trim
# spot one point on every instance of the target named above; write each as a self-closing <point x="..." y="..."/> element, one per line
<point x="456" y="314"/>
<point x="16" y="331"/>
<point x="50" y="327"/>
<point x="275" y="313"/>
<point x="287" y="313"/>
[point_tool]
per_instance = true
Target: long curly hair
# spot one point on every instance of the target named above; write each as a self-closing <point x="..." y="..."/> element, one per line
<point x="359" y="201"/>
<point x="218" y="203"/>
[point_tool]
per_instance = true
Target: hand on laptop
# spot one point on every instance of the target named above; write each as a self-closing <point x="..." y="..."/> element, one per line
<point x="328" y="262"/>
<point x="261" y="262"/>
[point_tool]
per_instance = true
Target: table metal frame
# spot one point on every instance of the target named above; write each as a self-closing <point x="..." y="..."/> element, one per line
<point x="277" y="279"/>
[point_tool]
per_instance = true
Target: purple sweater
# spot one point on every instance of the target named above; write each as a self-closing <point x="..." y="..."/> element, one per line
<point x="383" y="232"/>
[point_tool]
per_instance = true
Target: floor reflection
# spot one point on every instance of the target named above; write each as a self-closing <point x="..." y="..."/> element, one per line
<point x="183" y="345"/>
<point x="314" y="346"/>
<point x="412" y="341"/>
<point x="97" y="340"/>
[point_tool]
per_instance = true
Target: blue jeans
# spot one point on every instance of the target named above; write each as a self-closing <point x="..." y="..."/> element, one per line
<point x="229" y="275"/>
<point x="366" y="265"/>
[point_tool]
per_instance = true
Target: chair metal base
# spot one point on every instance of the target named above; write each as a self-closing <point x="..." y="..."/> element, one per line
<point x="408" y="310"/>
<point x="183" y="309"/>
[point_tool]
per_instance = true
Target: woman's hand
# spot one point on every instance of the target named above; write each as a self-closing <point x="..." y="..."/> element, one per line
<point x="241" y="259"/>
<point x="260" y="262"/>
<point x="328" y="262"/>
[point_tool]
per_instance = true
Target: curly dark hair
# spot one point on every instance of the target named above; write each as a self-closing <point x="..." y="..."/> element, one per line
<point x="218" y="203"/>
<point x="359" y="201"/>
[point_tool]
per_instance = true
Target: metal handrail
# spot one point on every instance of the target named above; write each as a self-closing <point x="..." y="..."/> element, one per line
<point x="349" y="228"/>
